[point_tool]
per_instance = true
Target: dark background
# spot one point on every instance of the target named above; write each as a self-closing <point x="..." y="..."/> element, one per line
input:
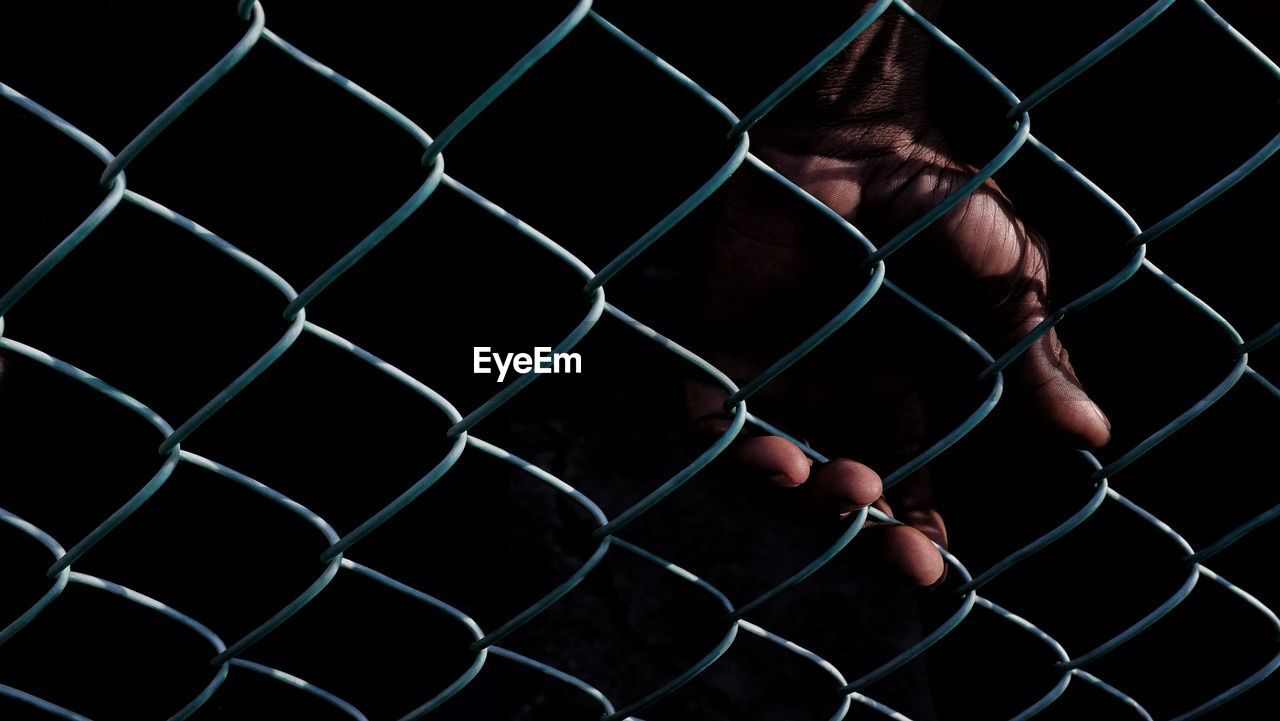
<point x="592" y="147"/>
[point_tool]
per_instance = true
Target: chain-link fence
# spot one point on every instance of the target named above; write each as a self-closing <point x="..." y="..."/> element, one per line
<point x="232" y="656"/>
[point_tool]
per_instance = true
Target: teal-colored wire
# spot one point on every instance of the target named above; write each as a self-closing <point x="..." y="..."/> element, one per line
<point x="1104" y="289"/>
<point x="476" y="665"/>
<point x="853" y="525"/>
<point x="1265" y="337"/>
<point x="740" y="143"/>
<point x="393" y="221"/>
<point x="701" y="664"/>
<point x="1160" y="611"/>
<point x="1061" y="686"/>
<point x="55" y="589"/>
<point x="141" y="496"/>
<point x="1237" y="370"/>
<point x="579" y="332"/>
<point x="1210" y="194"/>
<point x="557" y="674"/>
<point x="417" y="489"/>
<point x="302" y="685"/>
<point x="843" y="708"/>
<point x="1114" y="692"/>
<point x="706" y="457"/>
<point x="188" y="98"/>
<point x="284" y="614"/>
<point x="576" y="577"/>
<point x="1256" y="677"/>
<point x="931" y="638"/>
<point x="477" y="106"/>
<point x="875" y="705"/>
<point x="219" y="676"/>
<point x="669" y="221"/>
<point x="63" y="249"/>
<point x="1062" y="529"/>
<point x="1254" y="51"/>
<point x="780" y="93"/>
<point x="1106" y="48"/>
<point x="40" y="704"/>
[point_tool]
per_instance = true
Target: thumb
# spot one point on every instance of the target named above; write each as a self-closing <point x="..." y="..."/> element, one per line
<point x="1045" y="392"/>
<point x="995" y="271"/>
<point x="1010" y="270"/>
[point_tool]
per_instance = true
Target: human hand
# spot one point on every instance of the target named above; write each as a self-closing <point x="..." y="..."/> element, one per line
<point x="879" y="162"/>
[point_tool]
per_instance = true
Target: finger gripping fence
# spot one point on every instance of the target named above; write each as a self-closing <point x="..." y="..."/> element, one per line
<point x="230" y="657"/>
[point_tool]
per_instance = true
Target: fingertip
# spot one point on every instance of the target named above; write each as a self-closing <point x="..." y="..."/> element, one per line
<point x="846" y="485"/>
<point x="777" y="460"/>
<point x="1070" y="415"/>
<point x="907" y="554"/>
<point x="1095" y="428"/>
<point x="1051" y="396"/>
<point x="918" y="559"/>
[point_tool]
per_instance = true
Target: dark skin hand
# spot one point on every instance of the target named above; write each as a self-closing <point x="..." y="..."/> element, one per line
<point x="857" y="137"/>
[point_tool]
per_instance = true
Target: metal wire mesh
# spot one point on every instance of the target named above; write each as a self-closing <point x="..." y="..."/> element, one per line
<point x="335" y="560"/>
